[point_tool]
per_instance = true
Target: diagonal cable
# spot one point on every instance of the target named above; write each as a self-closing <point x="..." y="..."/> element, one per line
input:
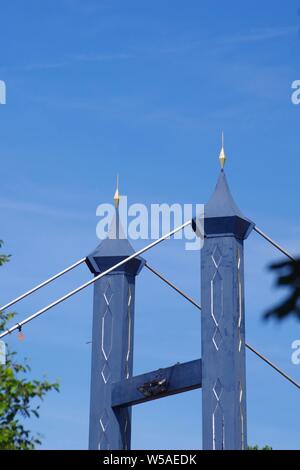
<point x="251" y="348"/>
<point x="18" y="326"/>
<point x="42" y="284"/>
<point x="179" y="291"/>
<point x="275" y="244"/>
<point x="274" y="366"/>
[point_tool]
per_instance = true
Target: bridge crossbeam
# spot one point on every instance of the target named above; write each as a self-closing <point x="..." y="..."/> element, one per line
<point x="156" y="384"/>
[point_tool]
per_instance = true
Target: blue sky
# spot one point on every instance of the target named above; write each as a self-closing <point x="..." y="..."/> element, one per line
<point x="143" y="89"/>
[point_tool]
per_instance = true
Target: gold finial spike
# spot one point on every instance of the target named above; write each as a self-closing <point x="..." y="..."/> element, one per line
<point x="222" y="156"/>
<point x="117" y="195"/>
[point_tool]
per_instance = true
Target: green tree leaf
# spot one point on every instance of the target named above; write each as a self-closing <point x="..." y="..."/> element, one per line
<point x="18" y="395"/>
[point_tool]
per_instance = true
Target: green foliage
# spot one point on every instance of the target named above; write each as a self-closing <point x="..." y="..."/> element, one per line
<point x="3" y="258"/>
<point x="19" y="396"/>
<point x="257" y="448"/>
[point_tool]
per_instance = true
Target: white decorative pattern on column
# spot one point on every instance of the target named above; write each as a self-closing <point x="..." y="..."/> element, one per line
<point x="218" y="419"/>
<point x="240" y="300"/>
<point x="216" y="287"/>
<point x="129" y="333"/>
<point x="106" y="347"/>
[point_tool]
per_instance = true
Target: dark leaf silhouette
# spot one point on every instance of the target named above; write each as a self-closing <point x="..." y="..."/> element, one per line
<point x="288" y="275"/>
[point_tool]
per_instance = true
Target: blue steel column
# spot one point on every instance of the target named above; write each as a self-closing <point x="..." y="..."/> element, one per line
<point x="224" y="421"/>
<point x="112" y="342"/>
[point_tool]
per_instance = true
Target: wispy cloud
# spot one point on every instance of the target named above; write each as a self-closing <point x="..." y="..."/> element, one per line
<point x="260" y="35"/>
<point x="45" y="66"/>
<point x="256" y="35"/>
<point x="79" y="59"/>
<point x="216" y="43"/>
<point x="102" y="57"/>
<point x="41" y="209"/>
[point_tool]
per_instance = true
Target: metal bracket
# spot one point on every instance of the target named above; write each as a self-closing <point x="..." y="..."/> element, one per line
<point x="154" y="387"/>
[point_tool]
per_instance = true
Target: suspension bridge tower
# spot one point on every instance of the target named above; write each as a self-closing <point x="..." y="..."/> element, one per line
<point x="112" y="336"/>
<point x="224" y="423"/>
<point x="221" y="370"/>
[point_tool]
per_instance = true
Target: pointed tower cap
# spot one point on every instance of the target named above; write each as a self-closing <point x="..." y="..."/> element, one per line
<point x="222" y="216"/>
<point x="110" y="252"/>
<point x="114" y="248"/>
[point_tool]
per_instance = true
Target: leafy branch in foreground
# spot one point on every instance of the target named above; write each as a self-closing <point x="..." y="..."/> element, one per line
<point x="257" y="448"/>
<point x="18" y="396"/>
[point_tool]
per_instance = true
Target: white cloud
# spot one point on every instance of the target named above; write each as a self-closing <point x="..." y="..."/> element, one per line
<point x="36" y="208"/>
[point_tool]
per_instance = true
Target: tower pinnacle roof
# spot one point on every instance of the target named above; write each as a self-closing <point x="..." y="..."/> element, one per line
<point x="222" y="215"/>
<point x="115" y="247"/>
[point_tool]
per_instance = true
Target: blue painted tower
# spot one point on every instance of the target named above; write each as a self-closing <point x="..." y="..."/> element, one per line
<point x="112" y="338"/>
<point x="224" y="422"/>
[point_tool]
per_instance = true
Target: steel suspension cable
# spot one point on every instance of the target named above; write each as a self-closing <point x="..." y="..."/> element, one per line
<point x="154" y="271"/>
<point x="179" y="291"/>
<point x="42" y="284"/>
<point x="280" y="371"/>
<point x="92" y="281"/>
<point x="275" y="244"/>
<point x="247" y="345"/>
